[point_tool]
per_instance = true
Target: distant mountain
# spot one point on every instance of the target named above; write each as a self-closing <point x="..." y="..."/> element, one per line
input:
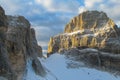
<point x="18" y="46"/>
<point x="91" y="37"/>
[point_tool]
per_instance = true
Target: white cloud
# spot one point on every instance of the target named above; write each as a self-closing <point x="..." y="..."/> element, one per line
<point x="91" y="3"/>
<point x="111" y="7"/>
<point x="10" y="6"/>
<point x="82" y="9"/>
<point x="45" y="3"/>
<point x="43" y="34"/>
<point x="62" y="5"/>
<point x="114" y="1"/>
<point x="42" y="43"/>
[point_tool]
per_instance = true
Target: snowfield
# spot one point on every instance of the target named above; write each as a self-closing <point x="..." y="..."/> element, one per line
<point x="30" y="74"/>
<point x="57" y="69"/>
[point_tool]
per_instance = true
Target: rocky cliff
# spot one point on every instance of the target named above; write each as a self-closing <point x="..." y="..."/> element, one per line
<point x="91" y="37"/>
<point x="18" y="45"/>
<point x="90" y="29"/>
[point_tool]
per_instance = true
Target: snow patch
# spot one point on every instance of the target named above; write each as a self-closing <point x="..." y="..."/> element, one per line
<point x="56" y="68"/>
<point x="57" y="64"/>
<point x="30" y="74"/>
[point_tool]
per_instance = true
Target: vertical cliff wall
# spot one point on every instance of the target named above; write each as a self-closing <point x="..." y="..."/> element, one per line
<point x="18" y="44"/>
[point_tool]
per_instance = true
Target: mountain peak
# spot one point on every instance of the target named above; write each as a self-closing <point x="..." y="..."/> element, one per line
<point x="88" y="20"/>
<point x="90" y="29"/>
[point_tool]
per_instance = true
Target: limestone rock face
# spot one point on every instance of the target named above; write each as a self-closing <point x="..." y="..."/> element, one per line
<point x="17" y="47"/>
<point x="87" y="20"/>
<point x="90" y="29"/>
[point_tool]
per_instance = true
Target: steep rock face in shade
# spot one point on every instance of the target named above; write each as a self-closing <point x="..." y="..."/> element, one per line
<point x="90" y="29"/>
<point x="18" y="44"/>
<point x="96" y="59"/>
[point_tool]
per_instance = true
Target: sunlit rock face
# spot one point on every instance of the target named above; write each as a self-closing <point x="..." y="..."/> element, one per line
<point x="90" y="29"/>
<point x="18" y="44"/>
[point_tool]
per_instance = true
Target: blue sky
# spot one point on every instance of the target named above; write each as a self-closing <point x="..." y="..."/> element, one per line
<point x="49" y="17"/>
